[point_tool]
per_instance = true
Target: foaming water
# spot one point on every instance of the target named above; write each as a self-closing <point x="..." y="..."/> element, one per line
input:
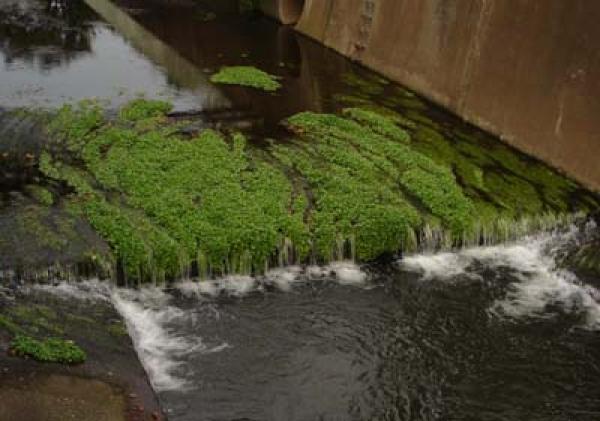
<point x="537" y="285"/>
<point x="283" y="279"/>
<point x="428" y="341"/>
<point x="148" y="315"/>
<point x="90" y="290"/>
<point x="154" y="319"/>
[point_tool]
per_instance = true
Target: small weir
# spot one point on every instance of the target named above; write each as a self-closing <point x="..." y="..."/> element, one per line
<point x="336" y="249"/>
<point x="422" y="337"/>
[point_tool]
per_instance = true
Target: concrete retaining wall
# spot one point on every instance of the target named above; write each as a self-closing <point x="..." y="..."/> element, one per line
<point x="526" y="70"/>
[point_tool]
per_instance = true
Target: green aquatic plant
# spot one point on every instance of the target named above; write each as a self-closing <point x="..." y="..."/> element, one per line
<point x="246" y="76"/>
<point x="383" y="125"/>
<point x="354" y="185"/>
<point x="182" y="200"/>
<point x="37" y="318"/>
<point x="379" y="146"/>
<point x="73" y="125"/>
<point x="368" y="85"/>
<point x="42" y="195"/>
<point x="497" y="179"/>
<point x="359" y="200"/>
<point x="52" y="350"/>
<point x="141" y="109"/>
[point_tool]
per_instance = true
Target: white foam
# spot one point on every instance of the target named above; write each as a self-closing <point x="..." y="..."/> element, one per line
<point x="235" y="285"/>
<point x="91" y="290"/>
<point x="348" y="273"/>
<point x="192" y="289"/>
<point x="443" y="266"/>
<point x="537" y="282"/>
<point x="238" y="285"/>
<point x="284" y="279"/>
<point x="147" y="314"/>
<point x="155" y="345"/>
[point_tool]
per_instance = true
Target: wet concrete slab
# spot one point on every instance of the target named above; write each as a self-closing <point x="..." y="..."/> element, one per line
<point x="58" y="397"/>
<point x="110" y="385"/>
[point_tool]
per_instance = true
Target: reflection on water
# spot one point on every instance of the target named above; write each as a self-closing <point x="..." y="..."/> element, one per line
<point x="184" y="74"/>
<point x="44" y="34"/>
<point x="52" y="57"/>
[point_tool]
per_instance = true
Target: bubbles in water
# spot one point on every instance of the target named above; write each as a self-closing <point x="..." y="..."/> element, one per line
<point x="148" y="315"/>
<point x="443" y="266"/>
<point x="155" y="346"/>
<point x="283" y="279"/>
<point x="530" y="264"/>
<point x="91" y="290"/>
<point x="348" y="273"/>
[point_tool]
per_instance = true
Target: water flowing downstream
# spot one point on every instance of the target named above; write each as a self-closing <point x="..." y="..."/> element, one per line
<point x="498" y="332"/>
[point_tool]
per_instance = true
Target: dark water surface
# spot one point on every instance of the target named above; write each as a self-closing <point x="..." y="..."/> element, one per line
<point x="492" y="333"/>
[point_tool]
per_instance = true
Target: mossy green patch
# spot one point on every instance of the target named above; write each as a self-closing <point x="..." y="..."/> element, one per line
<point x="498" y="179"/>
<point x="369" y="183"/>
<point x="37" y="318"/>
<point x="37" y="222"/>
<point x="175" y="201"/>
<point x="42" y="195"/>
<point x="383" y="125"/>
<point x="246" y="76"/>
<point x="25" y="322"/>
<point x="142" y="109"/>
<point x="7" y="324"/>
<point x="350" y="185"/>
<point x="117" y="329"/>
<point x="52" y="350"/>
<point x="366" y="85"/>
<point x="72" y="125"/>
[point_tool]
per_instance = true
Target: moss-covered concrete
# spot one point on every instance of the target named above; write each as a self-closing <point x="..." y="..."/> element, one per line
<point x="81" y="340"/>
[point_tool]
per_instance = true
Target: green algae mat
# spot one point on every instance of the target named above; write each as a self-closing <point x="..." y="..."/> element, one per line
<point x="360" y="184"/>
<point x="246" y="76"/>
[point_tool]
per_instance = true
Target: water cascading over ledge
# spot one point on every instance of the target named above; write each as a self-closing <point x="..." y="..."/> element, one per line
<point x="359" y="185"/>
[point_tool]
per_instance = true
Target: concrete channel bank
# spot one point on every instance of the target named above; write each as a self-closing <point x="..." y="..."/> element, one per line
<point x="526" y="70"/>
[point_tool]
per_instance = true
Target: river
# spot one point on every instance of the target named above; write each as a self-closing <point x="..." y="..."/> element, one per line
<point x="496" y="332"/>
<point x="488" y="333"/>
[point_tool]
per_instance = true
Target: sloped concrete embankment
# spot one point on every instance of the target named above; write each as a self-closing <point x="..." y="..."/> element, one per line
<point x="527" y="71"/>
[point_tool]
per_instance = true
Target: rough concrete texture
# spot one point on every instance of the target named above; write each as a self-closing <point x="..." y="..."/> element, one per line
<point x="526" y="70"/>
<point x="60" y="398"/>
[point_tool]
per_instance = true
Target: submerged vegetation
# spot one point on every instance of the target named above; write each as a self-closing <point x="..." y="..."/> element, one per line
<point x="26" y="322"/>
<point x="246" y="76"/>
<point x="360" y="184"/>
<point x="52" y="350"/>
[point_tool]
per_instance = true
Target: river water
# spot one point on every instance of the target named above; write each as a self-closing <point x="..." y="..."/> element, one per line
<point x="489" y="333"/>
<point x="504" y="332"/>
